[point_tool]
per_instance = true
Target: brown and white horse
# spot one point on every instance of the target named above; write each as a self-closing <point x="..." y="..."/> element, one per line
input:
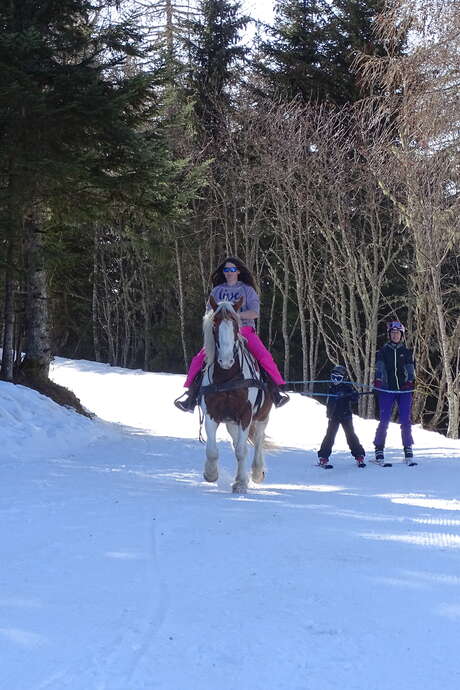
<point x="233" y="393"/>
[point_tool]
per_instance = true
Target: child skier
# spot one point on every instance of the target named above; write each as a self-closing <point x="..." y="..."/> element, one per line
<point x="342" y="395"/>
<point x="395" y="374"/>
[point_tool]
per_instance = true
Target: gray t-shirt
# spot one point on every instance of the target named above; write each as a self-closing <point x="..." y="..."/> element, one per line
<point x="232" y="293"/>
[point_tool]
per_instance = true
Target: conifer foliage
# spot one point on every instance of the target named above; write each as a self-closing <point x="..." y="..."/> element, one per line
<point x="72" y="134"/>
<point x="214" y="53"/>
<point x="295" y="54"/>
<point x="312" y="47"/>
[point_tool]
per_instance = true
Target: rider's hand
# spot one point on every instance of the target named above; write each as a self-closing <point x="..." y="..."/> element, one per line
<point x="377" y="383"/>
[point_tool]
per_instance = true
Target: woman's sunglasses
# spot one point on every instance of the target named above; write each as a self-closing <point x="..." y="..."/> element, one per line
<point x="230" y="269"/>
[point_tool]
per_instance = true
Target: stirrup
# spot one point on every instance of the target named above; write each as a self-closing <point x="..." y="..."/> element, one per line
<point x="280" y="399"/>
<point x="186" y="405"/>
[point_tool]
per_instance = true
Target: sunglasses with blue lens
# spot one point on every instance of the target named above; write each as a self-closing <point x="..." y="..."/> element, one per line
<point x="230" y="269"/>
<point x="337" y="378"/>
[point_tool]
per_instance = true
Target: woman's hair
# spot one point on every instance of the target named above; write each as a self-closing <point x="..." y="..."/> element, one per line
<point x="217" y="278"/>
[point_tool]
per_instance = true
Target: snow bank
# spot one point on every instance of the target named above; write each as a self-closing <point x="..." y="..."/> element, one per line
<point x="33" y="426"/>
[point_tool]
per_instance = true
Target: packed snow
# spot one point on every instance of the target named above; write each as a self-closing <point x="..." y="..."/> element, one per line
<point x="123" y="570"/>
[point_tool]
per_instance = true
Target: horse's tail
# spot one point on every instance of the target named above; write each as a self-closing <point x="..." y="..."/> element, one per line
<point x="268" y="444"/>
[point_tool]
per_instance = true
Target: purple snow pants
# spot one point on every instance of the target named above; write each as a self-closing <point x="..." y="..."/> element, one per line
<point x="386" y="402"/>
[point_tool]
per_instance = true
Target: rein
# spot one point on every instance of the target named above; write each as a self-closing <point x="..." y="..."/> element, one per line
<point x="233" y="385"/>
<point x="254" y="382"/>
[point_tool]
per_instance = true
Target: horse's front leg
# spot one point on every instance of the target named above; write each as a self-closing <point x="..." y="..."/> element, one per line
<point x="240" y="438"/>
<point x="211" y="473"/>
<point x="258" y="465"/>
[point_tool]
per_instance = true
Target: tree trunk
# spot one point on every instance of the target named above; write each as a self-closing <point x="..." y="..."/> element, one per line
<point x="12" y="233"/>
<point x="284" y="318"/>
<point x="35" y="366"/>
<point x="180" y="292"/>
<point x="95" y="309"/>
<point x="8" y="332"/>
<point x="453" y="401"/>
<point x="270" y="321"/>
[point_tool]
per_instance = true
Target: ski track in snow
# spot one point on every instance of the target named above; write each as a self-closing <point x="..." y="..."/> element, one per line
<point x="126" y="571"/>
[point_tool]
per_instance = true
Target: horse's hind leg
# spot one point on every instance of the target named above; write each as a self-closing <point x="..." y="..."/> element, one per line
<point x="212" y="454"/>
<point x="239" y="437"/>
<point x="258" y="436"/>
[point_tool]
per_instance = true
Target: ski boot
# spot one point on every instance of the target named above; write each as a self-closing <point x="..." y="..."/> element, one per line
<point x="324" y="463"/>
<point x="187" y="404"/>
<point x="409" y="456"/>
<point x="380" y="458"/>
<point x="279" y="398"/>
<point x="360" y="461"/>
<point x="191" y="396"/>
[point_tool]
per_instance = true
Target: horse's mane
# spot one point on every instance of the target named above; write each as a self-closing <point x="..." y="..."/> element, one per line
<point x="226" y="309"/>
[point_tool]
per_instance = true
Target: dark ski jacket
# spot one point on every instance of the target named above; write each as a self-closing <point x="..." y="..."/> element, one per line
<point x="394" y="366"/>
<point x="340" y="408"/>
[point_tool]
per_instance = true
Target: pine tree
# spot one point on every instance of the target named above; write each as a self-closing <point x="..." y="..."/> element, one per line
<point x="313" y="47"/>
<point x="214" y="61"/>
<point x="72" y="131"/>
<point x="214" y="53"/>
<point x="351" y="31"/>
<point x="295" y="57"/>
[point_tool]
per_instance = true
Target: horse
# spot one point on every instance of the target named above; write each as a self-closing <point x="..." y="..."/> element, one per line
<point x="232" y="391"/>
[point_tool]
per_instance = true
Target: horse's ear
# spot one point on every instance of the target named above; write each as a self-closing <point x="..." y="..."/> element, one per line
<point x="237" y="304"/>
<point x="213" y="303"/>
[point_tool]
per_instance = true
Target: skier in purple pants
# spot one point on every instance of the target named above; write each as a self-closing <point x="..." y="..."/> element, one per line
<point x="394" y="371"/>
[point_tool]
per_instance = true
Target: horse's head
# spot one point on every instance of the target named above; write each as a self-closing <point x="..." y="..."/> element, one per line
<point x="221" y="328"/>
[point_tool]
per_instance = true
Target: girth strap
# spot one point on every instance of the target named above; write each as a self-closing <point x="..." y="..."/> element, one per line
<point x="232" y="385"/>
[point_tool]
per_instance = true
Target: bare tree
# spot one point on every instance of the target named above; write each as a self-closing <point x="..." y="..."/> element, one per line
<point x="338" y="230"/>
<point x="419" y="170"/>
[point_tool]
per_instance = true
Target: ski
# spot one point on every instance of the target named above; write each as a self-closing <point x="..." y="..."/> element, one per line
<point x="330" y="467"/>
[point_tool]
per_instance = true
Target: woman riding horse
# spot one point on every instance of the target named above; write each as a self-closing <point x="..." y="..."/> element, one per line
<point x="231" y="281"/>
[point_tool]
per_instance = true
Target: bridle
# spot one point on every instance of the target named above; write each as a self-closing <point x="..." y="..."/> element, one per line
<point x="241" y="356"/>
<point x="237" y="343"/>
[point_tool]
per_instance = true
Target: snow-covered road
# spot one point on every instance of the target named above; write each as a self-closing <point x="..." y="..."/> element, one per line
<point x="123" y="570"/>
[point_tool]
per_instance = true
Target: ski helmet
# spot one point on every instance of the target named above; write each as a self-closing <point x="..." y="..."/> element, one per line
<point x="395" y="326"/>
<point x="338" y="374"/>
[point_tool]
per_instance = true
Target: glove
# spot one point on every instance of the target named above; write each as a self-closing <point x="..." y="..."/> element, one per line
<point x="377" y="383"/>
<point x="408" y="386"/>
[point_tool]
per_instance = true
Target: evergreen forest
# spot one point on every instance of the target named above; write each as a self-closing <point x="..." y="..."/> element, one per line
<point x="143" y="141"/>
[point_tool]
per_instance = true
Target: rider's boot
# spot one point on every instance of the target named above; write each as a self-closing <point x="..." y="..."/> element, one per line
<point x="279" y="398"/>
<point x="191" y="396"/>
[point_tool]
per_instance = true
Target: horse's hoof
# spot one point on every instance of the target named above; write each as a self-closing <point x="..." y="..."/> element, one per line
<point x="211" y="477"/>
<point x="239" y="488"/>
<point x="258" y="477"/>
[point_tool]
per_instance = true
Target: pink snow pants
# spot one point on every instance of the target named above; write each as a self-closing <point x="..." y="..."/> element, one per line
<point x="255" y="347"/>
